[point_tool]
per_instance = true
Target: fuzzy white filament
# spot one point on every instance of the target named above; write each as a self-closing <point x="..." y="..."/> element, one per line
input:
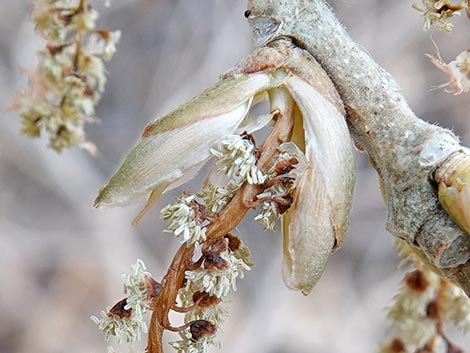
<point x="269" y="213"/>
<point x="183" y="222"/>
<point x="237" y="160"/>
<point x="128" y="329"/>
<point x="135" y="290"/>
<point x="217" y="282"/>
<point x="188" y="345"/>
<point x="216" y="197"/>
<point x="267" y="216"/>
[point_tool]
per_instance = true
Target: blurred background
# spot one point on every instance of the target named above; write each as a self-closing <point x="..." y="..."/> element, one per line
<point x="61" y="261"/>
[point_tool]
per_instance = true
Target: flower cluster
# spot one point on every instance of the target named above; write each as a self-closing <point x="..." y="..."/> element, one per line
<point x="124" y="328"/>
<point x="236" y="158"/>
<point x="220" y="266"/>
<point x="424" y="303"/>
<point x="135" y="288"/>
<point x="69" y="79"/>
<point x="183" y="220"/>
<point x="290" y="163"/>
<point x="438" y="13"/>
<point x="188" y="344"/>
<point x="125" y="319"/>
<point x="217" y="197"/>
<point x="218" y="276"/>
<point x="409" y="313"/>
<point x="268" y="214"/>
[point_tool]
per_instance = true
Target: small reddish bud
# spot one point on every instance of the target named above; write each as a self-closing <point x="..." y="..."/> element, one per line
<point x="106" y="35"/>
<point x="201" y="328"/>
<point x="153" y="287"/>
<point x="245" y="135"/>
<point x="55" y="49"/>
<point x="416" y="281"/>
<point x="119" y="310"/>
<point x="397" y="346"/>
<point x="204" y="299"/>
<point x="432" y="310"/>
<point x="233" y="242"/>
<point x="283" y="207"/>
<point x="285" y="166"/>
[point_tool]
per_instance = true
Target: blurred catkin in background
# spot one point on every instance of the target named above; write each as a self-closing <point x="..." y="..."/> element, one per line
<point x="62" y="260"/>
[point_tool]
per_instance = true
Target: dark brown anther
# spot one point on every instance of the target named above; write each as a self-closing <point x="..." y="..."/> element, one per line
<point x="119" y="310"/>
<point x="201" y="328"/>
<point x="67" y="17"/>
<point x="153" y="287"/>
<point x="416" y="281"/>
<point x="246" y="136"/>
<point x="432" y="311"/>
<point x="217" y="247"/>
<point x="234" y="242"/>
<point x="284" y="166"/>
<point x="201" y="213"/>
<point x="204" y="299"/>
<point x="284" y="206"/>
<point x="397" y="346"/>
<point x="451" y="7"/>
<point x="199" y="210"/>
<point x="106" y="35"/>
<point x="61" y="130"/>
<point x="275" y="181"/>
<point x="214" y="261"/>
<point x="55" y="49"/>
<point x="89" y="92"/>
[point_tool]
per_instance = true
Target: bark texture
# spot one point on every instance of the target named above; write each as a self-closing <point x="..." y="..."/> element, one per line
<point x="403" y="149"/>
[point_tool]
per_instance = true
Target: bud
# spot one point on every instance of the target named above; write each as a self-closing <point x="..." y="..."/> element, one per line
<point x="315" y="224"/>
<point x="204" y="299"/>
<point x="119" y="310"/>
<point x="152" y="287"/>
<point x="308" y="234"/>
<point x="397" y="346"/>
<point x="173" y="148"/>
<point x="202" y="328"/>
<point x="234" y="242"/>
<point x="453" y="178"/>
<point x="417" y="281"/>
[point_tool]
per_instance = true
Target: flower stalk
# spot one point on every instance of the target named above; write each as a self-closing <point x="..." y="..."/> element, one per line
<point x="227" y="219"/>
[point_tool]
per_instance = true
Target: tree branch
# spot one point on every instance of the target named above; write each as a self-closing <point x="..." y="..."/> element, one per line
<point x="403" y="149"/>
